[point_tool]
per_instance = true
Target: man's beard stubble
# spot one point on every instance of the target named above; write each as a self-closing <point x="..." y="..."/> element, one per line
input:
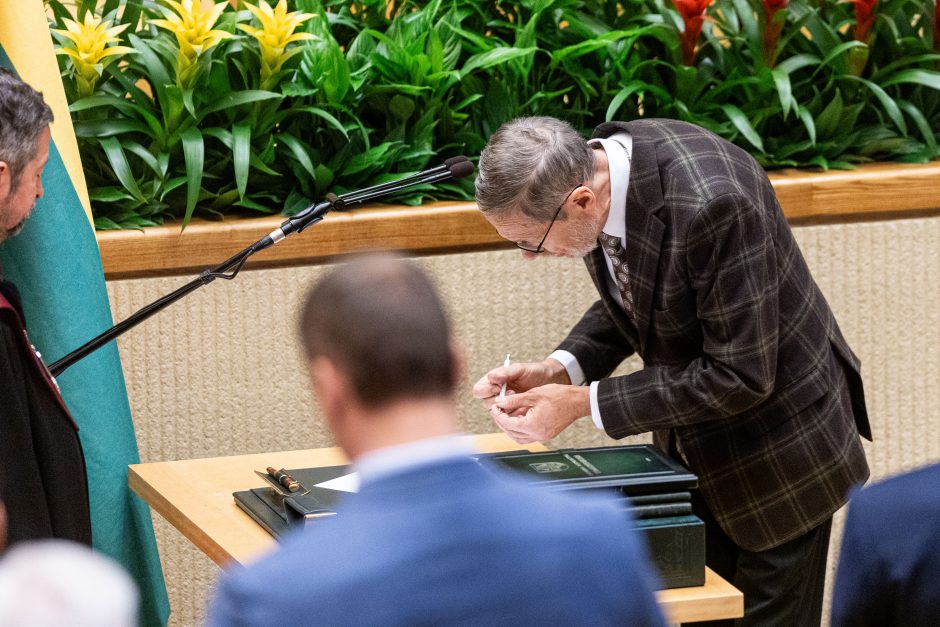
<point x="8" y="233"/>
<point x="585" y="238"/>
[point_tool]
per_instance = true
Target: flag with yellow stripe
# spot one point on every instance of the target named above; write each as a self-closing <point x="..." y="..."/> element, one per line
<point x="56" y="266"/>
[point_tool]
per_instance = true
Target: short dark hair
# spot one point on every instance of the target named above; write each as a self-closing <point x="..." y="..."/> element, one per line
<point x="379" y="320"/>
<point x="23" y="116"/>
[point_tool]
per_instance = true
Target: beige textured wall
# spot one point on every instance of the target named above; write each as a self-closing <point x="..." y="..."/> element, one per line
<point x="219" y="374"/>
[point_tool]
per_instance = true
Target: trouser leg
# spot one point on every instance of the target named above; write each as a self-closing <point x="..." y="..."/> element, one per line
<point x="781" y="586"/>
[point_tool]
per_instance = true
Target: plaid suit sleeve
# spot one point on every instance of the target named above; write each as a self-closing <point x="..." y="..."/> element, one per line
<point x="596" y="343"/>
<point x="729" y="257"/>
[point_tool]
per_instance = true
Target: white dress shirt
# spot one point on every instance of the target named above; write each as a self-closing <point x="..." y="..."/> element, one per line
<point x="394" y="459"/>
<point x="619" y="149"/>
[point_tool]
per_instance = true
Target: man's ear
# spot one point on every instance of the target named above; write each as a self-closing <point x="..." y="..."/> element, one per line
<point x="6" y="179"/>
<point x="584" y="199"/>
<point x="329" y="385"/>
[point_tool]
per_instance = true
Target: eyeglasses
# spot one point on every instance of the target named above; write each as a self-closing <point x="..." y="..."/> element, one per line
<point x="538" y="249"/>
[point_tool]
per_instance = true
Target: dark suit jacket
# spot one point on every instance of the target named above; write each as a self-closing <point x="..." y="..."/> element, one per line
<point x="449" y="543"/>
<point x="42" y="470"/>
<point x="889" y="567"/>
<point x="743" y="357"/>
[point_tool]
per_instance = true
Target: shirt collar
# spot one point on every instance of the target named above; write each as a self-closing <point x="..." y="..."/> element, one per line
<point x="618" y="148"/>
<point x="394" y="459"/>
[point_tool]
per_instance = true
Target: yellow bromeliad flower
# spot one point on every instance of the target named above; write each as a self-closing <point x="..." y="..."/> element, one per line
<point x="89" y="49"/>
<point x="192" y="25"/>
<point x="276" y="33"/>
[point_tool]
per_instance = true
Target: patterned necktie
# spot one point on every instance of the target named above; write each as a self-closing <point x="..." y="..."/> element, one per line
<point x="618" y="260"/>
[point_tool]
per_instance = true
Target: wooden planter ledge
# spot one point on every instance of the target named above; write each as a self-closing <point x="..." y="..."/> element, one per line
<point x="878" y="191"/>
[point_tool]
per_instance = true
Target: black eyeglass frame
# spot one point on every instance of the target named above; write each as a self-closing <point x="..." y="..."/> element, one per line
<point x="538" y="249"/>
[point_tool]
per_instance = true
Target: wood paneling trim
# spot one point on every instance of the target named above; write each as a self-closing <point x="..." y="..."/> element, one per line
<point x="889" y="190"/>
<point x="877" y="191"/>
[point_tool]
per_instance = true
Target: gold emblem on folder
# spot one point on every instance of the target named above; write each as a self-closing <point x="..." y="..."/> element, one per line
<point x="548" y="467"/>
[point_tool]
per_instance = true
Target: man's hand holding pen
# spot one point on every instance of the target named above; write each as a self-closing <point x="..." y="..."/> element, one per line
<point x="541" y="413"/>
<point x="518" y="377"/>
<point x="540" y="401"/>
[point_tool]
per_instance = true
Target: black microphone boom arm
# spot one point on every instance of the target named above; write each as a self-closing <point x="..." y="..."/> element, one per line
<point x="455" y="167"/>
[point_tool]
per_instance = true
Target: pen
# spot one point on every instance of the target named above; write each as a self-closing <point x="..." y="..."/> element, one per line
<point x="284" y="479"/>
<point x="502" y="389"/>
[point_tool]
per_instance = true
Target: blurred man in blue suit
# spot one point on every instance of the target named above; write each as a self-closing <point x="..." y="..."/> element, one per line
<point x="432" y="537"/>
<point x="889" y="567"/>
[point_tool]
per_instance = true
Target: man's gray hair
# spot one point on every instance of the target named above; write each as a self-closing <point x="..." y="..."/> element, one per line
<point x="529" y="165"/>
<point x="23" y="116"/>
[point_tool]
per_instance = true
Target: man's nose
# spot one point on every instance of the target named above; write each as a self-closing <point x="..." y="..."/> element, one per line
<point x="528" y="255"/>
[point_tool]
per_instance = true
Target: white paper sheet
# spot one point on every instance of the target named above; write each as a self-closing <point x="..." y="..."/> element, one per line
<point x="346" y="483"/>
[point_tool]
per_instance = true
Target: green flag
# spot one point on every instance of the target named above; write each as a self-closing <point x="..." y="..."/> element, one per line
<point x="55" y="265"/>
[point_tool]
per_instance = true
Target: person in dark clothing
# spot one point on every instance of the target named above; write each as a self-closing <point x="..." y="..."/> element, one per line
<point x="42" y="469"/>
<point x="889" y="565"/>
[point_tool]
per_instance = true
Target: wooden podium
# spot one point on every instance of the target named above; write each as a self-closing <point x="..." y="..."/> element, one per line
<point x="195" y="496"/>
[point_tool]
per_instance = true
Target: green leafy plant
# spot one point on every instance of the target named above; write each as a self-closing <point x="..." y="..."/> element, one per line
<point x="254" y="107"/>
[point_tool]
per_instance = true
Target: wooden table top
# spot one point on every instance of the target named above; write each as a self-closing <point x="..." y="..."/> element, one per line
<point x="195" y="496"/>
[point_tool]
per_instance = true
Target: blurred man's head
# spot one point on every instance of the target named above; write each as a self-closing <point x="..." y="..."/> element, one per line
<point x="48" y="583"/>
<point x="377" y="338"/>
<point x="24" y="150"/>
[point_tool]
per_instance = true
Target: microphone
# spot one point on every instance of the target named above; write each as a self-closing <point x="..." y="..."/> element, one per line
<point x="461" y="169"/>
<point x="415" y="179"/>
<point x="453" y="168"/>
<point x="458" y="167"/>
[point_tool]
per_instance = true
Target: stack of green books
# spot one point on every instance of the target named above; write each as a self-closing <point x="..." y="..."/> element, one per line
<point x="655" y="488"/>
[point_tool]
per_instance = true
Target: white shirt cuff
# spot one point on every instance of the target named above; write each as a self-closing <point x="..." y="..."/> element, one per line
<point x="595" y="408"/>
<point x="570" y="362"/>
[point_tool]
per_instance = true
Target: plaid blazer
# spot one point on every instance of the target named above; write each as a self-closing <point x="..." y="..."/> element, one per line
<point x="744" y="363"/>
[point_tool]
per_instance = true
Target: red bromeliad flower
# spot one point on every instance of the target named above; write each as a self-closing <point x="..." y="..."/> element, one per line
<point x="936" y="24"/>
<point x="864" y="18"/>
<point x="772" y="29"/>
<point x="693" y="15"/>
<point x="772" y="6"/>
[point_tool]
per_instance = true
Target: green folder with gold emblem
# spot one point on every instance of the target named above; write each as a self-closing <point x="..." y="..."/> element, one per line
<point x="657" y="490"/>
<point x="638" y="468"/>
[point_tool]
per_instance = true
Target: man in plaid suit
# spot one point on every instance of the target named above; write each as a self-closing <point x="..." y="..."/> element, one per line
<point x="746" y="378"/>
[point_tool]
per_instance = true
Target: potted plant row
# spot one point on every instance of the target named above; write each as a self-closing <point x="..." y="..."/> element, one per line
<point x="187" y="108"/>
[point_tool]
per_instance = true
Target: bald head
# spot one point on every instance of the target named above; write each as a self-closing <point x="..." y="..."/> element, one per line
<point x="379" y="320"/>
